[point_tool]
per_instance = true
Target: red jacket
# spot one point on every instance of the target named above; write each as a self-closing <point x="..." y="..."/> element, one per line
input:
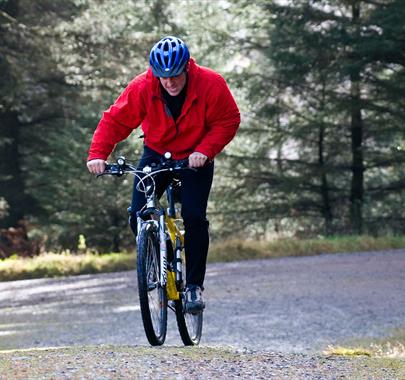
<point x="208" y="121"/>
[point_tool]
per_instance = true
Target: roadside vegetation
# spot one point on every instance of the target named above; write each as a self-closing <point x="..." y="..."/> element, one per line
<point x="65" y="264"/>
<point x="389" y="347"/>
<point x="238" y="249"/>
<point x="374" y="354"/>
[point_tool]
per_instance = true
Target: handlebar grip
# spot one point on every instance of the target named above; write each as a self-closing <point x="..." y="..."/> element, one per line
<point x="182" y="163"/>
<point x="109" y="169"/>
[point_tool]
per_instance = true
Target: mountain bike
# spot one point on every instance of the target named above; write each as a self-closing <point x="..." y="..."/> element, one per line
<point x="160" y="252"/>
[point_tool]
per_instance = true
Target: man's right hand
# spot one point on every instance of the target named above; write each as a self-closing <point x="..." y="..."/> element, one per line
<point x="96" y="166"/>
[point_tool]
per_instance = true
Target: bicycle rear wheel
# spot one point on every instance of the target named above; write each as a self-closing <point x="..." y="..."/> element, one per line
<point x="152" y="296"/>
<point x="189" y="325"/>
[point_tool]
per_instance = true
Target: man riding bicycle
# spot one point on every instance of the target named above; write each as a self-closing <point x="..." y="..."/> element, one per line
<point x="189" y="111"/>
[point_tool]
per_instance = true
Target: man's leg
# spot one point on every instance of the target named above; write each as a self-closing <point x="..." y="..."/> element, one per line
<point x="195" y="189"/>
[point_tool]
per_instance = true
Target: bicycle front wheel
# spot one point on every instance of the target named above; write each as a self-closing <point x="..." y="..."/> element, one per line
<point x="152" y="296"/>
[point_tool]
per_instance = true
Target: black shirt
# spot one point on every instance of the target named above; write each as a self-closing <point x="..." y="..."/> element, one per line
<point x="175" y="103"/>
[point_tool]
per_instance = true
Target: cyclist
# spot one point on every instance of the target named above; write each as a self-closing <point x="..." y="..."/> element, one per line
<point x="185" y="109"/>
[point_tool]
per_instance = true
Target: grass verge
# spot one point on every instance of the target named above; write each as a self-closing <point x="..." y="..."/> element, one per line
<point x="392" y="346"/>
<point x="237" y="249"/>
<point x="374" y="354"/>
<point x="55" y="265"/>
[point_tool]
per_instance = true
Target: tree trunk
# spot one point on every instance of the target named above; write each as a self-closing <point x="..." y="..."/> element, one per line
<point x="326" y="207"/>
<point x="356" y="128"/>
<point x="11" y="180"/>
<point x="12" y="185"/>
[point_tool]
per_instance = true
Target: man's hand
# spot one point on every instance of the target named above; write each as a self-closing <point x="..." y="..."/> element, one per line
<point x="197" y="160"/>
<point x="96" y="166"/>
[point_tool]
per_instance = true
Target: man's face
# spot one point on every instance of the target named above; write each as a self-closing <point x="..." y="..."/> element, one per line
<point x="174" y="85"/>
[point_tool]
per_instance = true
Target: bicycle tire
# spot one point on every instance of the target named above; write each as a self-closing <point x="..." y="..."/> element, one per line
<point x="152" y="297"/>
<point x="189" y="325"/>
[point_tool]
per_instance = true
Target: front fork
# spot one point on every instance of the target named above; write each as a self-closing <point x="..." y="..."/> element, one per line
<point x="162" y="245"/>
<point x="163" y="250"/>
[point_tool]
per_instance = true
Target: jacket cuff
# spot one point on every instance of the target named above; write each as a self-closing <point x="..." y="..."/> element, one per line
<point x="96" y="157"/>
<point x="206" y="152"/>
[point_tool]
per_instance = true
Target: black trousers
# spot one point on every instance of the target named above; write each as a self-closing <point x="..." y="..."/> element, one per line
<point x="195" y="189"/>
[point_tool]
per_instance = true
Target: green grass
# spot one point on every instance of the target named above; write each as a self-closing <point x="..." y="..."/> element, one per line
<point x="238" y="249"/>
<point x="55" y="265"/>
<point x="389" y="347"/>
<point x="346" y="351"/>
<point x="374" y="355"/>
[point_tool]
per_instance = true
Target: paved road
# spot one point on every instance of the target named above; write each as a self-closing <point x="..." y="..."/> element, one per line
<point x="287" y="305"/>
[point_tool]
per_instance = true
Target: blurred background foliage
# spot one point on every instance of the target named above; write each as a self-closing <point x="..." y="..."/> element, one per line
<point x="320" y="85"/>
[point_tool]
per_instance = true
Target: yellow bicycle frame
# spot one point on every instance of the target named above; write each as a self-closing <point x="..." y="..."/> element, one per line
<point x="174" y="232"/>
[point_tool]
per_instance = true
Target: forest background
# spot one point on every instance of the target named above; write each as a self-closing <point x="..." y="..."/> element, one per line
<point x="321" y="89"/>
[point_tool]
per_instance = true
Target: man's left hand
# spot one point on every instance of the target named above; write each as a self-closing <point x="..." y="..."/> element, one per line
<point x="197" y="160"/>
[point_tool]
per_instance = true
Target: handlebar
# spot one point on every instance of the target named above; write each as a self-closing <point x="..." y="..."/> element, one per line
<point x="122" y="167"/>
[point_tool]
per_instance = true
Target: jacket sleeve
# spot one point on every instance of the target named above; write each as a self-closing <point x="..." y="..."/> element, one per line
<point x="118" y="121"/>
<point x="222" y="120"/>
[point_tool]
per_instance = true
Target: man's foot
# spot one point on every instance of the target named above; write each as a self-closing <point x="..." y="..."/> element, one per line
<point x="194" y="300"/>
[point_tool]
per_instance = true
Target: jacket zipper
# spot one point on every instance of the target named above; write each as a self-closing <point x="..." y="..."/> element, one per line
<point x="167" y="110"/>
<point x="167" y="107"/>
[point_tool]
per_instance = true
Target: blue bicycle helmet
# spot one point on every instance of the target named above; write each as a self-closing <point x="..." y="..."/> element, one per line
<point x="168" y="57"/>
